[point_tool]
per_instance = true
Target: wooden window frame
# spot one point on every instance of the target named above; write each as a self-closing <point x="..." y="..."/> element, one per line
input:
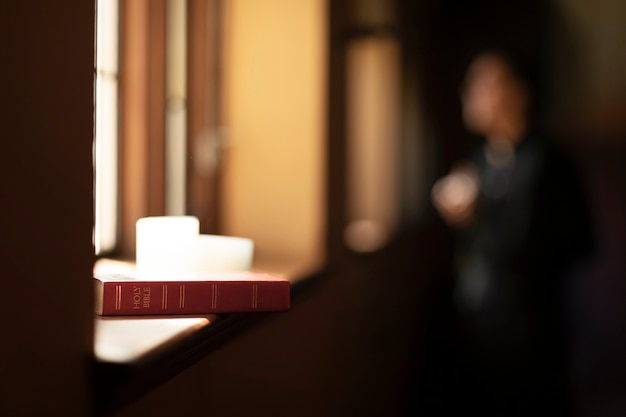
<point x="142" y="117"/>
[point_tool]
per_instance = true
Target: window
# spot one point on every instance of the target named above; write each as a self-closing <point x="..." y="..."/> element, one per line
<point x="187" y="68"/>
<point x="106" y="105"/>
<point x="157" y="115"/>
<point x="380" y="155"/>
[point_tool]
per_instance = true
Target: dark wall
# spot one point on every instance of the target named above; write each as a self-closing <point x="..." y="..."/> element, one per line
<point x="46" y="210"/>
<point x="561" y="41"/>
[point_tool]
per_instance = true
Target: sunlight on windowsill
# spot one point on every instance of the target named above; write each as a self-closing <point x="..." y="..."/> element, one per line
<point x="125" y="340"/>
<point x="295" y="270"/>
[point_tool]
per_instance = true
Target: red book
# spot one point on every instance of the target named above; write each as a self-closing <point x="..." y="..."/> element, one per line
<point x="199" y="293"/>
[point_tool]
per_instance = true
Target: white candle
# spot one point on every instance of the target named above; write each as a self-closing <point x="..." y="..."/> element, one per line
<point x="218" y="253"/>
<point x="159" y="240"/>
<point x="172" y="244"/>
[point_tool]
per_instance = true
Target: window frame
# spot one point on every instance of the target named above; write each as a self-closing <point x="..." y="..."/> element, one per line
<point x="142" y="169"/>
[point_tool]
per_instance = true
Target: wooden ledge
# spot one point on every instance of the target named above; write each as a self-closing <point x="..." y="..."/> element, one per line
<point x="133" y="355"/>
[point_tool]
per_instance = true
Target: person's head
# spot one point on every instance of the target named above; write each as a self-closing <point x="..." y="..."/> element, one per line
<point x="496" y="98"/>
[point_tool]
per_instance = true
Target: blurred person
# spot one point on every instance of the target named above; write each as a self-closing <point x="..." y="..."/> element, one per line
<point x="519" y="221"/>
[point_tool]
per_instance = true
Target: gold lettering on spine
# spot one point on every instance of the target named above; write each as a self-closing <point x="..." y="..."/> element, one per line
<point x="118" y="297"/>
<point x="147" y="297"/>
<point x="255" y="296"/>
<point x="136" y="297"/>
<point x="164" y="298"/>
<point x="181" y="297"/>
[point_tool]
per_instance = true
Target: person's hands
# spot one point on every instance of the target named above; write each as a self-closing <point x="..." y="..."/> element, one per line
<point x="455" y="195"/>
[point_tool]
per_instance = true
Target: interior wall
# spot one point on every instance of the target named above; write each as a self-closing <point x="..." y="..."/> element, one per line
<point x="589" y="99"/>
<point x="274" y="90"/>
<point x="588" y="63"/>
<point x="578" y="47"/>
<point x="46" y="209"/>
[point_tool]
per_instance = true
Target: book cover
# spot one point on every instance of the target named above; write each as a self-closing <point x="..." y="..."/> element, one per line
<point x="197" y="293"/>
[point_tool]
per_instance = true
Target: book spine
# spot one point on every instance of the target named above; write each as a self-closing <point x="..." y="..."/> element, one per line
<point x="148" y="298"/>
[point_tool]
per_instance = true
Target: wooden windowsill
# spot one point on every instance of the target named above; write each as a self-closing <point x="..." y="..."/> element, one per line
<point x="135" y="354"/>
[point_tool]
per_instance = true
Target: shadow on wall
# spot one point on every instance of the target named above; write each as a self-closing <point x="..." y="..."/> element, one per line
<point x="597" y="307"/>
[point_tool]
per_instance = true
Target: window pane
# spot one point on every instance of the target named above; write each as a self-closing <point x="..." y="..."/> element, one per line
<point x="176" y="112"/>
<point x="373" y="66"/>
<point x="106" y="126"/>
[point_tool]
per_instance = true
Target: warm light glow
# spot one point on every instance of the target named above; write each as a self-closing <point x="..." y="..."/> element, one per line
<point x="123" y="341"/>
<point x="366" y="235"/>
<point x="106" y="123"/>
<point x="219" y="253"/>
<point x="455" y="195"/>
<point x="172" y="244"/>
<point x="373" y="66"/>
<point x="176" y="107"/>
<point x="274" y="91"/>
<point x="457" y="188"/>
<point x="158" y="239"/>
